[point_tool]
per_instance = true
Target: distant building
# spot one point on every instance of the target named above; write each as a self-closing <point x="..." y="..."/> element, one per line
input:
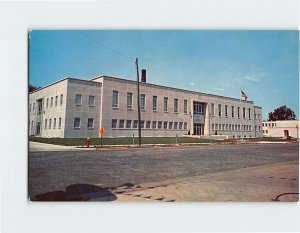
<point x="72" y="108"/>
<point x="281" y="129"/>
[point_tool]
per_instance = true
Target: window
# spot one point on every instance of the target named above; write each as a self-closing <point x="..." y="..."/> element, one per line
<point x="160" y="124"/>
<point x="129" y="100"/>
<point x="185" y="106"/>
<point x="176" y="105"/>
<point x="47" y="103"/>
<point x="50" y="123"/>
<point x="213" y="126"/>
<point x="78" y="99"/>
<point x="45" y="124"/>
<point x="59" y="122"/>
<point x="154" y="103"/>
<point x="91" y="100"/>
<point x="115" y="99"/>
<point x="153" y="124"/>
<point x="148" y="124"/>
<point x="142" y="123"/>
<point x="77" y="123"/>
<point x="259" y="128"/>
<point x="54" y="123"/>
<point x="266" y="131"/>
<point x="244" y="113"/>
<point x="142" y="102"/>
<point x="121" y="124"/>
<point x="165" y="104"/>
<point x="180" y="125"/>
<point x="165" y="125"/>
<point x="170" y="125"/>
<point x="90" y="123"/>
<point x="185" y="125"/>
<point x="61" y="99"/>
<point x="238" y="112"/>
<point x="56" y="100"/>
<point x="220" y="109"/>
<point x="114" y="123"/>
<point x="258" y="117"/>
<point x="135" y="124"/>
<point x="232" y="111"/>
<point x="226" y="110"/>
<point x="128" y="124"/>
<point x="249" y="112"/>
<point x="33" y="107"/>
<point x="175" y="125"/>
<point x="212" y="109"/>
<point x="29" y="107"/>
<point x="51" y="102"/>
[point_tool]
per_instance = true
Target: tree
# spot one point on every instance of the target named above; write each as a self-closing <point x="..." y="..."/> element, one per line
<point x="282" y="113"/>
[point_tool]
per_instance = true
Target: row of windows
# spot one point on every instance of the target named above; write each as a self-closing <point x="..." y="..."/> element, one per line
<point x="265" y="131"/>
<point x="231" y="127"/>
<point x="220" y="111"/>
<point x="77" y="123"/>
<point x="50" y="125"/>
<point x="115" y="102"/>
<point x="78" y="100"/>
<point x="133" y="124"/>
<point x="53" y="102"/>
<point x="269" y="124"/>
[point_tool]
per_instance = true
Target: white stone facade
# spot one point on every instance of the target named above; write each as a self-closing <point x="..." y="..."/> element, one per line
<point x="165" y="111"/>
<point x="281" y="129"/>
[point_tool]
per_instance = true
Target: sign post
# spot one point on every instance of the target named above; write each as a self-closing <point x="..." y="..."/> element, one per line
<point x="102" y="132"/>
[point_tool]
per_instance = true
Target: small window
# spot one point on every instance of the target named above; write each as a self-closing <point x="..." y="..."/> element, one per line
<point x="59" y="122"/>
<point x="238" y="112"/>
<point x="54" y="123"/>
<point x="220" y="109"/>
<point x="121" y="124"/>
<point x="135" y="124"/>
<point x="249" y="113"/>
<point x="213" y="126"/>
<point x="115" y="99"/>
<point x="185" y="125"/>
<point x="47" y="103"/>
<point x="180" y="125"/>
<point x="45" y="124"/>
<point x="50" y="120"/>
<point x="232" y="111"/>
<point x="244" y="113"/>
<point x="78" y="99"/>
<point x="148" y="124"/>
<point x="142" y="101"/>
<point x="226" y="107"/>
<point x="160" y="124"/>
<point x="175" y="125"/>
<point x="61" y="99"/>
<point x="114" y="123"/>
<point x="165" y="125"/>
<point x="51" y="102"/>
<point x="176" y="105"/>
<point x="153" y="124"/>
<point x="90" y="124"/>
<point x="77" y="123"/>
<point x="29" y="107"/>
<point x="185" y="106"/>
<point x="212" y="109"/>
<point x="33" y="107"/>
<point x="170" y="125"/>
<point x="142" y="123"/>
<point x="91" y="100"/>
<point x="56" y="100"/>
<point x="154" y="103"/>
<point x="128" y="124"/>
<point x="165" y="104"/>
<point x="129" y="100"/>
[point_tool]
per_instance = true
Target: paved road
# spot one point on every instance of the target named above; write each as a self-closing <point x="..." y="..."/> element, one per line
<point x="53" y="171"/>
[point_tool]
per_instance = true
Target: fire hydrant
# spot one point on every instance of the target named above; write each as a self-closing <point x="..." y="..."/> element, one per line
<point x="87" y="142"/>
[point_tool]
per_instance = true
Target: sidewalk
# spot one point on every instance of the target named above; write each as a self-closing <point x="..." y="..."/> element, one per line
<point x="37" y="146"/>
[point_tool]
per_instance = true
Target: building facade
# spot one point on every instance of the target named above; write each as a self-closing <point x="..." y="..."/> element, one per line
<point x="79" y="108"/>
<point x="281" y="129"/>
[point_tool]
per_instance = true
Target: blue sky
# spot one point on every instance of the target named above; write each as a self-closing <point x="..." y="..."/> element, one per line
<point x="264" y="64"/>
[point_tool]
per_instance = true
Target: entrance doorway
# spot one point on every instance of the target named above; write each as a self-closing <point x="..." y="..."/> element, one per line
<point x="198" y="129"/>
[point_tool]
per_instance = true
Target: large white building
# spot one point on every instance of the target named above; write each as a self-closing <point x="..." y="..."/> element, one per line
<point x="72" y="108"/>
<point x="282" y="129"/>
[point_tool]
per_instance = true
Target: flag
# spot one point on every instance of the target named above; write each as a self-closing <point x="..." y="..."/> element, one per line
<point x="244" y="95"/>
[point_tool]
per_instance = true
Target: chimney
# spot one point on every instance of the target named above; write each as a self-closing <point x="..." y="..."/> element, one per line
<point x="143" y="76"/>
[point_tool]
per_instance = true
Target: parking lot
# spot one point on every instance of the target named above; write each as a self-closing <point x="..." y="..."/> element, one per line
<point x="117" y="174"/>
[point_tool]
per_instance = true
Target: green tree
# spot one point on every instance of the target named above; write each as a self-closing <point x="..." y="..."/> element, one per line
<point x="282" y="113"/>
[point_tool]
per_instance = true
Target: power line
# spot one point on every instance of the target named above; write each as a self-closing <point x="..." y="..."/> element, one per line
<point x="104" y="46"/>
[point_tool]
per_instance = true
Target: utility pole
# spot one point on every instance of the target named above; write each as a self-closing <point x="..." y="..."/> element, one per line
<point x="138" y="102"/>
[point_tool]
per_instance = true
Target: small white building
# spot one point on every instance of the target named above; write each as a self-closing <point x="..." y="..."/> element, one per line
<point x="72" y="108"/>
<point x="282" y="129"/>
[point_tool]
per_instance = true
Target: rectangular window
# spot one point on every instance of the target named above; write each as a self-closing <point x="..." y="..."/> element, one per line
<point x="185" y="125"/>
<point x="128" y="124"/>
<point x="61" y="99"/>
<point x="165" y="125"/>
<point x="153" y="124"/>
<point x="78" y="99"/>
<point x="170" y="125"/>
<point x="135" y="124"/>
<point x="213" y="126"/>
<point x="185" y="106"/>
<point x="45" y="124"/>
<point x="238" y="112"/>
<point x="121" y="124"/>
<point x="142" y="102"/>
<point x="175" y="125"/>
<point x="51" y="102"/>
<point x="50" y="120"/>
<point x="212" y="109"/>
<point x="160" y="124"/>
<point x="165" y="104"/>
<point x="244" y="113"/>
<point x="176" y="105"/>
<point x="56" y="100"/>
<point x="33" y="107"/>
<point x="47" y="103"/>
<point x="77" y="123"/>
<point x="91" y="100"/>
<point x="59" y="122"/>
<point x="220" y="109"/>
<point x="54" y="123"/>
<point x="142" y="124"/>
<point x="226" y="107"/>
<point x="90" y="123"/>
<point x="148" y="124"/>
<point x="129" y="100"/>
<point x="249" y="113"/>
<point x="114" y="123"/>
<point x="180" y="125"/>
<point x="232" y="111"/>
<point x="29" y="107"/>
<point x="115" y="99"/>
<point x="154" y="103"/>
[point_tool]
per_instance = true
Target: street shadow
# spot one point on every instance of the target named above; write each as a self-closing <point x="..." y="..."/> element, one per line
<point x="77" y="192"/>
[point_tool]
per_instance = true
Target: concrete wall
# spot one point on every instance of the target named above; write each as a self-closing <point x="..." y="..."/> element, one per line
<point x="277" y="128"/>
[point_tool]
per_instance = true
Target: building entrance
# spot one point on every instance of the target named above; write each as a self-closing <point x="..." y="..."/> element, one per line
<point x="198" y="129"/>
<point x="198" y="118"/>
